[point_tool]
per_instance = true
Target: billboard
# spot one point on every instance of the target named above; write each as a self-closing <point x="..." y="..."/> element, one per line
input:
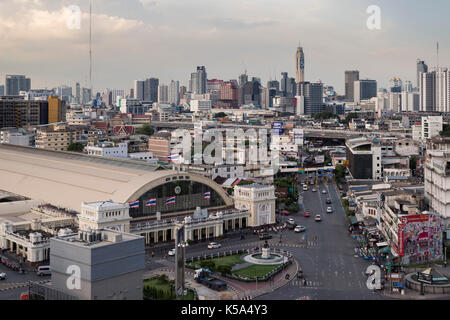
<point x="420" y="238"/>
<point x="319" y="159"/>
<point x="278" y="125"/>
<point x="298" y="137"/>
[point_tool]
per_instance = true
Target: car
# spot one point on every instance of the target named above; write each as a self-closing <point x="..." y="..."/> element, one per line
<point x="171" y="252"/>
<point x="328" y="201"/>
<point x="329" y="210"/>
<point x="305" y="187"/>
<point x="318" y="218"/>
<point x="314" y="190"/>
<point x="324" y="191"/>
<point x="299" y="229"/>
<point x="307" y="214"/>
<point x="214" y="245"/>
<point x="264" y="236"/>
<point x="44" y="271"/>
<point x="3" y="276"/>
<point x="291" y="221"/>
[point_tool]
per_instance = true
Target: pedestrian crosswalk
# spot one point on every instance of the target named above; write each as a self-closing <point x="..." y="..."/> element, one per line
<point x="309" y="284"/>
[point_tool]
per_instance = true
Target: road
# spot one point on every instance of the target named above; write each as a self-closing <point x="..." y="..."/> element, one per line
<point x="329" y="265"/>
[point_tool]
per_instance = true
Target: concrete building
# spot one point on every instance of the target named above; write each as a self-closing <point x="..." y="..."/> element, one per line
<point x="309" y="98"/>
<point x="111" y="265"/>
<point x="350" y="78"/>
<point x="259" y="200"/>
<point x="16" y="83"/>
<point x="437" y="176"/>
<point x="365" y="90"/>
<point x="201" y="105"/>
<point x="421" y="68"/>
<point x="17" y="136"/>
<point x="134" y="106"/>
<point x="104" y="215"/>
<point x="159" y="145"/>
<point x="163" y="93"/>
<point x="56" y="137"/>
<point x="300" y="65"/>
<point x="17" y="112"/>
<point x="431" y="127"/>
<point x="197" y="83"/>
<point x="174" y="93"/>
<point x="56" y="110"/>
<point x="109" y="150"/>
<point x="364" y="158"/>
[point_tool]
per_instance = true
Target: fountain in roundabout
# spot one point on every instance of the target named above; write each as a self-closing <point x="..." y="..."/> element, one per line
<point x="265" y="257"/>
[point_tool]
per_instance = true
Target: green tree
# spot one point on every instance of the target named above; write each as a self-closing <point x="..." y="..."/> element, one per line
<point x="349" y="118"/>
<point x="220" y="115"/>
<point x="76" y="146"/>
<point x="224" y="269"/>
<point x="208" y="264"/>
<point x="245" y="182"/>
<point x="146" y="129"/>
<point x="413" y="163"/>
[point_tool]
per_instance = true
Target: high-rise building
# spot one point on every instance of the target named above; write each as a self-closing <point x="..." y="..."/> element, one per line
<point x="174" y="92"/>
<point x="2" y="90"/>
<point x="16" y="83"/>
<point x="365" y="90"/>
<point x="56" y="110"/>
<point x="197" y="84"/>
<point x="64" y="93"/>
<point x="139" y="90"/>
<point x="151" y="90"/>
<point x="350" y="78"/>
<point x="243" y="79"/>
<point x="252" y="92"/>
<point x="17" y="112"/>
<point x="228" y="95"/>
<point x="300" y="65"/>
<point x="78" y="93"/>
<point x="86" y="96"/>
<point x="183" y="91"/>
<point x="309" y="98"/>
<point x="285" y="83"/>
<point x="163" y="93"/>
<point x="421" y="68"/>
<point x="442" y="90"/>
<point x="273" y="84"/>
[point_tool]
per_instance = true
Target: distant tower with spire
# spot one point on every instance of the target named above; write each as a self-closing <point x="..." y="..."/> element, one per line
<point x="300" y="65"/>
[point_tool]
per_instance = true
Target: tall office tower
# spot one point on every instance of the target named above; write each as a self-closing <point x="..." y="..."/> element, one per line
<point x="300" y="65"/>
<point x="285" y="83"/>
<point x="78" y="93"/>
<point x="16" y="83"/>
<point x="197" y="84"/>
<point x="174" y="92"/>
<point x="17" y="112"/>
<point x="243" y="79"/>
<point x="309" y="98"/>
<point x="228" y="95"/>
<point x="267" y="95"/>
<point x="408" y="86"/>
<point x="64" y="93"/>
<point x="151" y="89"/>
<point x="139" y="90"/>
<point x="183" y="91"/>
<point x="86" y="96"/>
<point x="163" y="93"/>
<point x="421" y="68"/>
<point x="442" y="90"/>
<point x="252" y="92"/>
<point x="350" y="78"/>
<point x="410" y="101"/>
<point x="2" y="90"/>
<point x="428" y="91"/>
<point x="292" y="88"/>
<point x="56" y="110"/>
<point x="365" y="89"/>
<point x="273" y="84"/>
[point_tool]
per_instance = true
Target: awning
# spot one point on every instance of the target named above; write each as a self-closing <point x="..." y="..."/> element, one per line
<point x="382" y="244"/>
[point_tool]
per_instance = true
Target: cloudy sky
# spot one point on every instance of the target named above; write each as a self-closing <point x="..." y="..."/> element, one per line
<point x="137" y="39"/>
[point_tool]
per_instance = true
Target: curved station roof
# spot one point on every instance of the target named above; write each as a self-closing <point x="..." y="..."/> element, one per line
<point x="67" y="179"/>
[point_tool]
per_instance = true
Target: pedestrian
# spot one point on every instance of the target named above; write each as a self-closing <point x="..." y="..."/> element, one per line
<point x="153" y="254"/>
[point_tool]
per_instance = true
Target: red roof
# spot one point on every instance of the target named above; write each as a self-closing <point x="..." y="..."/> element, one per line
<point x="124" y="129"/>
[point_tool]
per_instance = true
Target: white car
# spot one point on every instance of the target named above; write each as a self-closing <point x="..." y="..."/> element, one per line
<point x="329" y="210"/>
<point x="324" y="191"/>
<point x="291" y="221"/>
<point x="318" y="218"/>
<point x="305" y="187"/>
<point x="171" y="252"/>
<point x="299" y="229"/>
<point x="3" y="276"/>
<point x="314" y="190"/>
<point x="214" y="245"/>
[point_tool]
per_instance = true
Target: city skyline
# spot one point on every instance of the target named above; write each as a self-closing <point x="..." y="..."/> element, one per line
<point x="209" y="34"/>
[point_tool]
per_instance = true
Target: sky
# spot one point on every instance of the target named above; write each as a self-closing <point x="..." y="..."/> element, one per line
<point x="168" y="39"/>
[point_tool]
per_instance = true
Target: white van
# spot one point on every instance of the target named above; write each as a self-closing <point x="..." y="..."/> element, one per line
<point x="44" y="271"/>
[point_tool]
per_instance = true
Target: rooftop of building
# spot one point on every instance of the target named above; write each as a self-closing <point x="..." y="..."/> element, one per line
<point x="97" y="239"/>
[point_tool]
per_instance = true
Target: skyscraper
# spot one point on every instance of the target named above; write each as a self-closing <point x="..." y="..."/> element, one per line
<point x="163" y="93"/>
<point x="151" y="89"/>
<point x="197" y="84"/>
<point x="174" y="92"/>
<point x="421" y="68"/>
<point x="16" y="83"/>
<point x="139" y="90"/>
<point x="309" y="98"/>
<point x="78" y="93"/>
<point x="300" y="65"/>
<point x="285" y="82"/>
<point x="365" y="89"/>
<point x="435" y="90"/>
<point x="350" y="78"/>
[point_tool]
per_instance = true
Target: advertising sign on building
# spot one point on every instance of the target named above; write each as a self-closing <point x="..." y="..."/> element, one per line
<point x="298" y="137"/>
<point x="319" y="159"/>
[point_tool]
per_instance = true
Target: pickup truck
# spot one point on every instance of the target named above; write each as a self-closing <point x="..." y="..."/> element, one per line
<point x="205" y="276"/>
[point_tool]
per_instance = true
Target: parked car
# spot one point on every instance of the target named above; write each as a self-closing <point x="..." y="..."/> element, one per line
<point x="329" y="210"/>
<point x="214" y="245"/>
<point x="44" y="271"/>
<point x="171" y="252"/>
<point x="3" y="276"/>
<point x="318" y="218"/>
<point x="300" y="229"/>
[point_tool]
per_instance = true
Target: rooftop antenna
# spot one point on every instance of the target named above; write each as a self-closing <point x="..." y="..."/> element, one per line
<point x="90" y="45"/>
